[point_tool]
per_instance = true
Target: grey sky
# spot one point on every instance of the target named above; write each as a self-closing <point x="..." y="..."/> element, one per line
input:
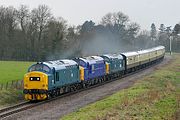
<point x="76" y="12"/>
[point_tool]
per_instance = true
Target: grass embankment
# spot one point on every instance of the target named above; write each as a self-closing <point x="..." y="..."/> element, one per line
<point x="13" y="70"/>
<point x="156" y="96"/>
<point x="10" y="96"/>
<point x="9" y="71"/>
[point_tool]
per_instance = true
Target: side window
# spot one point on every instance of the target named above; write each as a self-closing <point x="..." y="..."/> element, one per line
<point x="57" y="76"/>
<point x="120" y="64"/>
<point x="92" y="68"/>
<point x="72" y="75"/>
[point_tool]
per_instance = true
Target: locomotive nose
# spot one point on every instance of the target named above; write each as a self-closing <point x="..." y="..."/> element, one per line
<point x="36" y="80"/>
<point x="35" y="85"/>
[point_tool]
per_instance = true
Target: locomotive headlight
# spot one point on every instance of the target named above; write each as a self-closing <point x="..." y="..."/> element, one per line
<point x="43" y="85"/>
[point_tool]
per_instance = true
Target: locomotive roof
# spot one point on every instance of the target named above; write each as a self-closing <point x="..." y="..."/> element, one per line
<point x="60" y="64"/>
<point x="92" y="59"/>
<point x="113" y="56"/>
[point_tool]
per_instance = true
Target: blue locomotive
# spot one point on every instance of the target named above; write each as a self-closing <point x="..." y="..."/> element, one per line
<point x="116" y="62"/>
<point x="45" y="79"/>
<point x="94" y="66"/>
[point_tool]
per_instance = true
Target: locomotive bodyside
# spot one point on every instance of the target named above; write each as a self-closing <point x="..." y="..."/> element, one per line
<point x="94" y="66"/>
<point x="115" y="61"/>
<point x="65" y="72"/>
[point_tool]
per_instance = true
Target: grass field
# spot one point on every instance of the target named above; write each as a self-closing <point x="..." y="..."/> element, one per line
<point x="13" y="70"/>
<point x="154" y="97"/>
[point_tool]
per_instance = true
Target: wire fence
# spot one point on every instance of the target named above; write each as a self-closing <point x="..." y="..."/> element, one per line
<point x="15" y="84"/>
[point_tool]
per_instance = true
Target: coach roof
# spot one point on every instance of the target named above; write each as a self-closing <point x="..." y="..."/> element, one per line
<point x="113" y="56"/>
<point x="130" y="53"/>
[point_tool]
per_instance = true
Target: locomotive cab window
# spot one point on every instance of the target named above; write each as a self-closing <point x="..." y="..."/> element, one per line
<point x="40" y="67"/>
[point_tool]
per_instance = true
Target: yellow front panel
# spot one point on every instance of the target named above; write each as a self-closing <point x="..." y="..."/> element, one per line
<point x="42" y="84"/>
<point x="81" y="73"/>
<point x="107" y="68"/>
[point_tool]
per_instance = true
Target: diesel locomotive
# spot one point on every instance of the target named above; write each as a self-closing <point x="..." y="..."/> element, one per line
<point x="52" y="78"/>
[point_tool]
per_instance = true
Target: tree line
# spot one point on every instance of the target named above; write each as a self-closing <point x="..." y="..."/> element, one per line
<point x="36" y="35"/>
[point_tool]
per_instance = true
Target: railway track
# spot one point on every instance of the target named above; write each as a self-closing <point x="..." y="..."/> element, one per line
<point x="13" y="109"/>
<point x="5" y="112"/>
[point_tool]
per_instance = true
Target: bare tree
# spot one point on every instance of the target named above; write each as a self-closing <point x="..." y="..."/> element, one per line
<point x="107" y="19"/>
<point x="121" y="18"/>
<point x="23" y="17"/>
<point x="115" y="18"/>
<point x="56" y="35"/>
<point x="133" y="29"/>
<point x="41" y="16"/>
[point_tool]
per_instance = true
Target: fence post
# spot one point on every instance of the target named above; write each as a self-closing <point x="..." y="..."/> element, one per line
<point x="1" y="86"/>
<point x="6" y="85"/>
<point x="22" y="84"/>
<point x="12" y="84"/>
<point x="16" y="84"/>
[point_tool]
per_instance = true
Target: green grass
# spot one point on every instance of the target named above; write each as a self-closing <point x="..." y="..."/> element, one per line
<point x="154" y="97"/>
<point x="13" y="70"/>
